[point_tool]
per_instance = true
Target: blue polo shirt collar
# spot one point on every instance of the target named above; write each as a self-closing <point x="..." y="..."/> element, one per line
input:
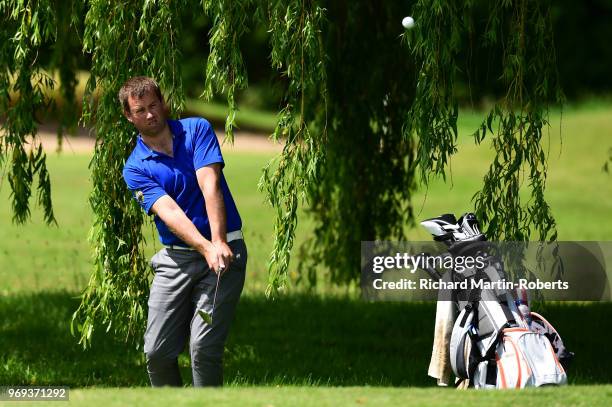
<point x="143" y="152"/>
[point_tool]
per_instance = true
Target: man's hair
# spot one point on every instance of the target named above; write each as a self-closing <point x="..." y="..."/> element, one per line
<point x="137" y="87"/>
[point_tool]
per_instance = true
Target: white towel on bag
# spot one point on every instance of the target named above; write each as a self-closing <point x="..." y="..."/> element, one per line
<point x="439" y="365"/>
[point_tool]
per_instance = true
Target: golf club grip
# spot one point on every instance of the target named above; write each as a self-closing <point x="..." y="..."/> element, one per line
<point x="433" y="273"/>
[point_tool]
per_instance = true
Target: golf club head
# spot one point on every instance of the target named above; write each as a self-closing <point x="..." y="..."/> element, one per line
<point x="469" y="229"/>
<point x="442" y="227"/>
<point x="205" y="316"/>
<point x="446" y="228"/>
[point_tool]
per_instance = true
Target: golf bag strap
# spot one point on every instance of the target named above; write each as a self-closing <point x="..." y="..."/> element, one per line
<point x="491" y="377"/>
<point x="468" y="307"/>
<point x="490" y="355"/>
<point x="463" y="363"/>
<point x="474" y="360"/>
<point x="462" y="366"/>
<point x="508" y="315"/>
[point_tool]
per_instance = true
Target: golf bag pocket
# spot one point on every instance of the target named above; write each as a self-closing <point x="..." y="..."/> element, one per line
<point x="485" y="375"/>
<point x="475" y="333"/>
<point x="526" y="359"/>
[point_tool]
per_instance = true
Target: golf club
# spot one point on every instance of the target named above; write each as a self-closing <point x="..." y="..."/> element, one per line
<point x="205" y="315"/>
<point x="208" y="318"/>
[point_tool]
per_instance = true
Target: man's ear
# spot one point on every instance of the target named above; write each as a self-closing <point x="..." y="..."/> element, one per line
<point x="128" y="116"/>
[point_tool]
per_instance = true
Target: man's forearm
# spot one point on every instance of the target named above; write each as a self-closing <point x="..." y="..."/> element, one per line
<point x="215" y="208"/>
<point x="209" y="179"/>
<point x="180" y="225"/>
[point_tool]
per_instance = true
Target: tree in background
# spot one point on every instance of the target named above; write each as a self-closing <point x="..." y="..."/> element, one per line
<point x="364" y="118"/>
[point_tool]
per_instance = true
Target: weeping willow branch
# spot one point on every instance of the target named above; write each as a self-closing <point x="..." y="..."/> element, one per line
<point x="296" y="52"/>
<point x="366" y="180"/>
<point x="118" y="289"/>
<point x="606" y="166"/>
<point x="523" y="30"/>
<point x="23" y="86"/>
<point x="516" y="125"/>
<point x="66" y="50"/>
<point x="225" y="70"/>
<point x="359" y="119"/>
<point x="435" y="43"/>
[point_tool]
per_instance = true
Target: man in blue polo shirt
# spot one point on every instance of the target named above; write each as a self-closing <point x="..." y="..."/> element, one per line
<point x="175" y="173"/>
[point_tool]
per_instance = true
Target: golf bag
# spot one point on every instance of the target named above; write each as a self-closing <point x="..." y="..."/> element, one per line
<point x="496" y="342"/>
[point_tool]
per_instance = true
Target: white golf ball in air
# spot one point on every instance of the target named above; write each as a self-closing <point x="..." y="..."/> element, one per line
<point x="408" y="22"/>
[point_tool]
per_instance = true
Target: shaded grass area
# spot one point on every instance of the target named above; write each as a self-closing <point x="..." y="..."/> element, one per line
<point x="295" y="340"/>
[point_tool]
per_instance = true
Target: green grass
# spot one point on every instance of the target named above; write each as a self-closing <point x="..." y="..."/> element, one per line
<point x="328" y="396"/>
<point x="577" y="189"/>
<point x="295" y="340"/>
<point x="34" y="257"/>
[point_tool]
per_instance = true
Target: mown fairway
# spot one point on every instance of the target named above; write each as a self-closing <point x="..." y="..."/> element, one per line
<point x="332" y="397"/>
<point x="296" y="341"/>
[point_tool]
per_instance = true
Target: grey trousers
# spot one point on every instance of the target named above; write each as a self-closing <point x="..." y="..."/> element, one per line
<point x="183" y="284"/>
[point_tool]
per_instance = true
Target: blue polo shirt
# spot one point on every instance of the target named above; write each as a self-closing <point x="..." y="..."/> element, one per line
<point x="150" y="175"/>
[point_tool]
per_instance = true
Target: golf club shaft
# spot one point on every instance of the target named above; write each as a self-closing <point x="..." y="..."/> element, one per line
<point x="215" y="296"/>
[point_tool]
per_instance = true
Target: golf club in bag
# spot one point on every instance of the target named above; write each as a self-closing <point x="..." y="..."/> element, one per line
<point x="496" y="341"/>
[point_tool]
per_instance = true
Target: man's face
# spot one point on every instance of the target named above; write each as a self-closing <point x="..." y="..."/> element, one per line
<point x="148" y="114"/>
